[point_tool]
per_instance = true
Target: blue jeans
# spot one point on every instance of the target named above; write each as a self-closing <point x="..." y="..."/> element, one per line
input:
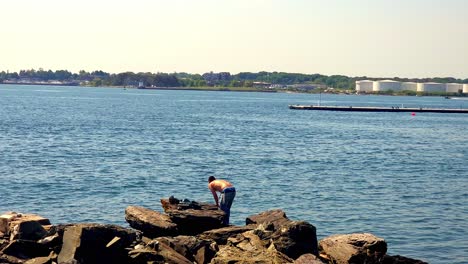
<point x="227" y="197"/>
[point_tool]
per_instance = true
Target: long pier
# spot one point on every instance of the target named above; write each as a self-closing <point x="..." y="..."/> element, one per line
<point x="377" y="109"/>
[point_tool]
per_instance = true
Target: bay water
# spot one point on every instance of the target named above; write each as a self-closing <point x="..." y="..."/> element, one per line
<point x="75" y="154"/>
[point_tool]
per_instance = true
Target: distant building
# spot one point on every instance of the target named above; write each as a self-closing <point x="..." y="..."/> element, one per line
<point x="277" y="86"/>
<point x="409" y="86"/>
<point x="391" y="85"/>
<point x="454" y="87"/>
<point x="364" y="86"/>
<point x="261" y="84"/>
<point x="431" y="87"/>
<point x="386" y="85"/>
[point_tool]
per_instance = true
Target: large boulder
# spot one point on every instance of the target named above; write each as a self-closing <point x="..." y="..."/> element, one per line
<point x="193" y="248"/>
<point x="191" y="217"/>
<point x="95" y="243"/>
<point x="151" y="223"/>
<point x="25" y="249"/>
<point x="54" y="237"/>
<point x="277" y="217"/>
<point x="221" y="235"/>
<point x="295" y="239"/>
<point x="155" y="252"/>
<point x="353" y="248"/>
<point x="29" y="230"/>
<point x="10" y="220"/>
<point x="308" y="259"/>
<point x="249" y="248"/>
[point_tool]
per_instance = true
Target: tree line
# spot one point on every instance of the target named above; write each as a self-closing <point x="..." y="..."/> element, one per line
<point x="221" y="79"/>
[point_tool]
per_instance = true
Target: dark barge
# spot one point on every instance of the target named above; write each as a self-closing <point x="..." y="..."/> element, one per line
<point x="377" y="109"/>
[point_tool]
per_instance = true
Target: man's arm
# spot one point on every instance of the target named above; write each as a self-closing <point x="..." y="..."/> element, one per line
<point x="215" y="196"/>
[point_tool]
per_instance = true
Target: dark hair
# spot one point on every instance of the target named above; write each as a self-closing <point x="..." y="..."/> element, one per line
<point x="211" y="178"/>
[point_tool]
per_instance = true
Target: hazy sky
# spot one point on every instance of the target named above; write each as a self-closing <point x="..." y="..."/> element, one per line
<point x="375" y="38"/>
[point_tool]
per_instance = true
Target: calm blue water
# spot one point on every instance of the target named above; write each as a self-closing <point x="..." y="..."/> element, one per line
<point x="85" y="154"/>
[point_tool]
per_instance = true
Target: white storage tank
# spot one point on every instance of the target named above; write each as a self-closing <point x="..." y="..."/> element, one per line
<point x="358" y="86"/>
<point x="431" y="87"/>
<point x="454" y="87"/>
<point x="465" y="88"/>
<point x="364" y="86"/>
<point x="386" y="85"/>
<point x="409" y="86"/>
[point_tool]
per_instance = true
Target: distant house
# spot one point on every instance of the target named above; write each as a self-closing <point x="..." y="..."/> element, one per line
<point x="277" y="86"/>
<point x="261" y="84"/>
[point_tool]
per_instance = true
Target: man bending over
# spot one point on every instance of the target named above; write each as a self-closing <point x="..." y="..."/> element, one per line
<point x="228" y="192"/>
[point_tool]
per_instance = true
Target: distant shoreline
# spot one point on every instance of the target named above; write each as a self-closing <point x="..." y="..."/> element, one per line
<point x="42" y="83"/>
<point x="236" y="89"/>
<point x="217" y="89"/>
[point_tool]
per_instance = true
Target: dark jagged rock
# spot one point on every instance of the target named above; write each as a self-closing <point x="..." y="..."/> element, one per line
<point x="276" y="217"/>
<point x="5" y="259"/>
<point x="54" y="237"/>
<point x="193" y="222"/>
<point x="308" y="259"/>
<point x="249" y="248"/>
<point x="10" y="221"/>
<point x="192" y="248"/>
<point x="94" y="243"/>
<point x="29" y="230"/>
<point x="3" y="243"/>
<point x="295" y="239"/>
<point x="151" y="223"/>
<point x="206" y="253"/>
<point x="221" y="235"/>
<point x="43" y="260"/>
<point x="25" y="249"/>
<point x="144" y="256"/>
<point x="193" y="218"/>
<point x="353" y="248"/>
<point x="155" y="252"/>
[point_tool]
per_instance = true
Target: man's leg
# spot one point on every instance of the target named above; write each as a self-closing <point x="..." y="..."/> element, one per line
<point x="225" y="205"/>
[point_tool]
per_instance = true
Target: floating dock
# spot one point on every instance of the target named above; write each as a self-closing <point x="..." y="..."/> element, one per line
<point x="376" y="109"/>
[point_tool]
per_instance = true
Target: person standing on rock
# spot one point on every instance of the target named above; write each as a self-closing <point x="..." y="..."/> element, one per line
<point x="228" y="192"/>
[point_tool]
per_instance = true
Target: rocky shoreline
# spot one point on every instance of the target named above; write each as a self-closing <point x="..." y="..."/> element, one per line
<point x="187" y="232"/>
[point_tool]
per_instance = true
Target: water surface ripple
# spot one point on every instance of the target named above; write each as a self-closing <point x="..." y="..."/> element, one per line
<point x="84" y="154"/>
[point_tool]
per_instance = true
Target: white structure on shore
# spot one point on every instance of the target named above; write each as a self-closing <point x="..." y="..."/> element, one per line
<point x="391" y="85"/>
<point x="454" y="87"/>
<point x="364" y="86"/>
<point x="409" y="86"/>
<point x="432" y="87"/>
<point x="386" y="85"/>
